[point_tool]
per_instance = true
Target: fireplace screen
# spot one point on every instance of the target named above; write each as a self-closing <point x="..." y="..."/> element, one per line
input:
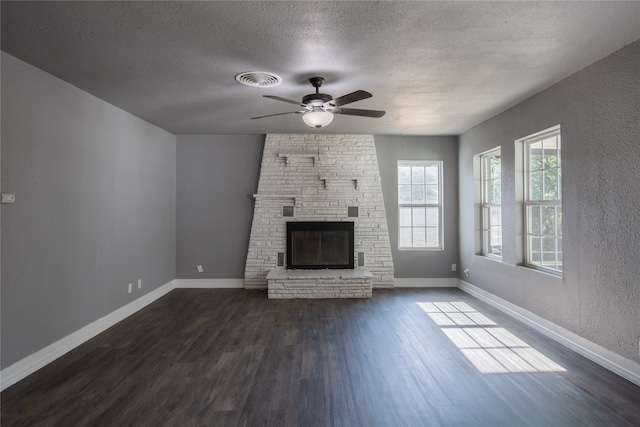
<point x="316" y="245"/>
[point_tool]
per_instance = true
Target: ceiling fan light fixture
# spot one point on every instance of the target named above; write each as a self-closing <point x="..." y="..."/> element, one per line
<point x="317" y="118"/>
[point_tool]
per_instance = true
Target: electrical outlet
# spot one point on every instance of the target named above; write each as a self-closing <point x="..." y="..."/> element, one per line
<point x="8" y="198"/>
<point x="453" y="267"/>
<point x="130" y="286"/>
<point x="139" y="283"/>
<point x="200" y="269"/>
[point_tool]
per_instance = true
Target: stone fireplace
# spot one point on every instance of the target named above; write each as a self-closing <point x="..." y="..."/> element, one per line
<point x="321" y="179"/>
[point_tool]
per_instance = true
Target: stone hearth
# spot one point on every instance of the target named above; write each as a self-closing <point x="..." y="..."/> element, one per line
<point x="354" y="283"/>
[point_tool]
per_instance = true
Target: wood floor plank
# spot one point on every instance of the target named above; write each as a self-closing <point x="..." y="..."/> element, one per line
<point x="204" y="357"/>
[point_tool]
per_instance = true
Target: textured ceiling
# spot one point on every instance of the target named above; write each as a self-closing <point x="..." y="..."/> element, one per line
<point x="435" y="67"/>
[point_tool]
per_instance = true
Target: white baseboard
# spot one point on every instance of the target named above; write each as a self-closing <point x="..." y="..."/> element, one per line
<point x="617" y="364"/>
<point x="445" y="282"/>
<point x="210" y="283"/>
<point x="30" y="364"/>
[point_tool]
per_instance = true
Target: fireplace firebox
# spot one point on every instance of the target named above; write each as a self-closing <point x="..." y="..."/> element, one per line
<point x="320" y="245"/>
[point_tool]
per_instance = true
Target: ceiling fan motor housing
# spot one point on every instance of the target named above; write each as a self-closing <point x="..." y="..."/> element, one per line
<point x="316" y="99"/>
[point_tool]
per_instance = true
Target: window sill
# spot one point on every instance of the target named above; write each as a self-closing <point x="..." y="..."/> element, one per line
<point x="541" y="271"/>
<point x="491" y="258"/>
<point x="421" y="249"/>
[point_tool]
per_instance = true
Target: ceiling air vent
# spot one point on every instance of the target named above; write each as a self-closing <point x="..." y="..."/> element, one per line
<point x="258" y="79"/>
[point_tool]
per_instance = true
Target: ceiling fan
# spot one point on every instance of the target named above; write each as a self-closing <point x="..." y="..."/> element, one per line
<point x="318" y="108"/>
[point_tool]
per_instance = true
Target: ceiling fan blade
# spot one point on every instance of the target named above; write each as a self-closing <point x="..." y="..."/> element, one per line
<point x="358" y="112"/>
<point x="279" y="98"/>
<point x="351" y="97"/>
<point x="278" y="114"/>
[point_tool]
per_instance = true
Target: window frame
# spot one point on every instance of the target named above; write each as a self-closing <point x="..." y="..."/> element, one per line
<point x="529" y="203"/>
<point x="439" y="205"/>
<point x="486" y="225"/>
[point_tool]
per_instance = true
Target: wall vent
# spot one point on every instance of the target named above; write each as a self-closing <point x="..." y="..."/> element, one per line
<point x="360" y="259"/>
<point x="287" y="211"/>
<point x="280" y="262"/>
<point x="352" y="212"/>
<point x="258" y="79"/>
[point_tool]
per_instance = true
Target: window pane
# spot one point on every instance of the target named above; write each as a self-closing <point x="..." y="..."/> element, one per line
<point x="431" y="174"/>
<point x="535" y="254"/>
<point x="551" y="184"/>
<point x="534" y="220"/>
<point x="559" y="184"/>
<point x="432" y="194"/>
<point x="548" y="244"/>
<point x="417" y="194"/>
<point x="417" y="174"/>
<point x="549" y="252"/>
<point x="432" y="217"/>
<point x="550" y="159"/>
<point x="535" y="156"/>
<point x="535" y="186"/>
<point x="419" y="217"/>
<point x="405" y="237"/>
<point x="432" y="237"/>
<point x="495" y="192"/>
<point x="419" y="237"/>
<point x="551" y="142"/>
<point x="486" y="190"/>
<point x="495" y="240"/>
<point x="495" y="216"/>
<point x="495" y="163"/>
<point x="405" y="217"/>
<point x="548" y="220"/>
<point x="404" y="174"/>
<point x="559" y="161"/>
<point x="404" y="193"/>
<point x="559" y="219"/>
<point x="535" y="161"/>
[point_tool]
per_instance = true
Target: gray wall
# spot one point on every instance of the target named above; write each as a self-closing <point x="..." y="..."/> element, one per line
<point x="94" y="211"/>
<point x="217" y="176"/>
<point x="390" y="149"/>
<point x="599" y="296"/>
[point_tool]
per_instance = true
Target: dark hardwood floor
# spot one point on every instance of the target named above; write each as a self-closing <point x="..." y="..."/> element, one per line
<point x="200" y="357"/>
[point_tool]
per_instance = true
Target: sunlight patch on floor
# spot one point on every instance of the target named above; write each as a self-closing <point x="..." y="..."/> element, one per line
<point x="490" y="348"/>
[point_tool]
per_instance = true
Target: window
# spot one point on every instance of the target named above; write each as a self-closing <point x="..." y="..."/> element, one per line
<point x="543" y="201"/>
<point x="420" y="205"/>
<point x="490" y="177"/>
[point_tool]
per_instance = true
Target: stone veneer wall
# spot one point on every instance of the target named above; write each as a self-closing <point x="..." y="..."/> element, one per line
<point x="321" y="176"/>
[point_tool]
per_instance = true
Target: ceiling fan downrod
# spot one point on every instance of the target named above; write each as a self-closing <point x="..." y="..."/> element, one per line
<point x="316" y="99"/>
<point x="316" y="82"/>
